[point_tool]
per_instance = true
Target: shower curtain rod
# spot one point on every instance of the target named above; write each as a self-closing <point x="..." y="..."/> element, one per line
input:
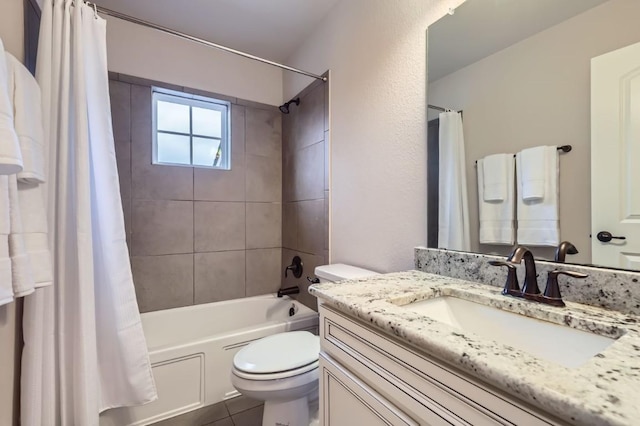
<point x="438" y="108"/>
<point x="124" y="17"/>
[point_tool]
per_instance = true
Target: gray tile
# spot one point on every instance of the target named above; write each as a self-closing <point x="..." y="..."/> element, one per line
<point x="156" y="182"/>
<point x="126" y="211"/>
<point x="252" y="417"/>
<point x="327" y="160"/>
<point x="219" y="276"/>
<point x="219" y="226"/>
<point x="288" y="177"/>
<point x="264" y="133"/>
<point x="290" y="226"/>
<point x="259" y="105"/>
<point x="200" y="417"/>
<point x="223" y="422"/>
<point x="310" y="262"/>
<point x="264" y="225"/>
<point x="226" y="185"/>
<point x="123" y="162"/>
<point x="263" y="271"/>
<point x="264" y="179"/>
<point x="327" y="116"/>
<point x="113" y="76"/>
<point x="241" y="403"/>
<point x="120" y="95"/>
<point x="309" y="173"/>
<point x="206" y="94"/>
<point x="163" y="282"/>
<point x="311" y="227"/>
<point x="309" y="128"/>
<point x="327" y="215"/>
<point x="139" y="81"/>
<point x="162" y="227"/>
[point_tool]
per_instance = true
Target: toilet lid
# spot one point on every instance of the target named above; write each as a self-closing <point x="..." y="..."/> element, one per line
<point x="279" y="352"/>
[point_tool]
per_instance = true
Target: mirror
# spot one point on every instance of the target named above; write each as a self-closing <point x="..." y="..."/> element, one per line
<point x="520" y="72"/>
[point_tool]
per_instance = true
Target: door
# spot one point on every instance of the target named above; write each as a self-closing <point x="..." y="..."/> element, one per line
<point x="615" y="157"/>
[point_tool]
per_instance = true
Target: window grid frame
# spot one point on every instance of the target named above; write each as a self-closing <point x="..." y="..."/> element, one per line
<point x="191" y="101"/>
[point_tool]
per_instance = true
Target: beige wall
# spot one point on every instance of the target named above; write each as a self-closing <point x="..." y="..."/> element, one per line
<point x="143" y="52"/>
<point x="537" y="93"/>
<point x="376" y="52"/>
<point x="11" y="33"/>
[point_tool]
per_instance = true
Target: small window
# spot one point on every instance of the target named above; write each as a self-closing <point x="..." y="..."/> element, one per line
<point x="190" y="131"/>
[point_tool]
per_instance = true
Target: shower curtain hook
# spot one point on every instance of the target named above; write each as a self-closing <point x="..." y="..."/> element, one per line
<point x="95" y="10"/>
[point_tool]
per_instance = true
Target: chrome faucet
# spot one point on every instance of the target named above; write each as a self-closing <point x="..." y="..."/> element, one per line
<point x="530" y="286"/>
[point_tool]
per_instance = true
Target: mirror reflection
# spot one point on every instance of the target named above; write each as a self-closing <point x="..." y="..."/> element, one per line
<point x="527" y="77"/>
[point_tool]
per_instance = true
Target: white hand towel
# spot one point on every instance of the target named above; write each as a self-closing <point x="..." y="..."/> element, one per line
<point x="21" y="268"/>
<point x="538" y="220"/>
<point x="497" y="224"/>
<point x="6" y="289"/>
<point x="36" y="239"/>
<point x="533" y="163"/>
<point x="495" y="176"/>
<point x="27" y="108"/>
<point x="10" y="157"/>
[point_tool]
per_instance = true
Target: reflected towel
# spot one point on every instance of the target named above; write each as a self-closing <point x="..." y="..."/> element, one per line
<point x="497" y="225"/>
<point x="496" y="176"/>
<point x="10" y="157"/>
<point x="6" y="289"/>
<point x="533" y="171"/>
<point x="21" y="267"/>
<point x="538" y="220"/>
<point x="27" y="107"/>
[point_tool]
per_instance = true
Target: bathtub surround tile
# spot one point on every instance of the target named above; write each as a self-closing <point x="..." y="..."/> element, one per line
<point x="264" y="133"/>
<point x="310" y="262"/>
<point x="241" y="403"/>
<point x="219" y="226"/>
<point x="311" y="227"/>
<point x="264" y="225"/>
<point x="209" y="415"/>
<point x="162" y="227"/>
<point x="219" y="276"/>
<point x="264" y="179"/>
<point x="327" y="215"/>
<point x="252" y="417"/>
<point x="120" y="96"/>
<point x="310" y="128"/>
<point x="139" y="81"/>
<point x="257" y="105"/>
<point x="327" y="160"/>
<point x="290" y="225"/>
<point x="308" y="173"/>
<point x="163" y="282"/>
<point x="263" y="271"/>
<point x="206" y="94"/>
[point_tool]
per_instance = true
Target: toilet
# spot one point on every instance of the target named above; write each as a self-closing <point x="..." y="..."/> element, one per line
<point x="282" y="369"/>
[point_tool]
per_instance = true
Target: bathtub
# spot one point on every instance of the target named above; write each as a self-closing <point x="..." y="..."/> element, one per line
<point x="192" y="349"/>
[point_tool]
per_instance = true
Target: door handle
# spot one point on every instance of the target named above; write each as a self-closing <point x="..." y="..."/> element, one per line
<point x="605" y="237"/>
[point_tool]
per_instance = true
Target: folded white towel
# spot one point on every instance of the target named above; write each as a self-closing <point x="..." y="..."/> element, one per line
<point x="10" y="157"/>
<point x="533" y="171"/>
<point x="6" y="289"/>
<point x="27" y="109"/>
<point x="34" y="223"/>
<point x="495" y="176"/>
<point x="21" y="268"/>
<point x="497" y="224"/>
<point x="538" y="220"/>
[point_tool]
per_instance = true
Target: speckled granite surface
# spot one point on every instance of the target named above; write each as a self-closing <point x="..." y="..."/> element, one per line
<point x="607" y="288"/>
<point x="603" y="391"/>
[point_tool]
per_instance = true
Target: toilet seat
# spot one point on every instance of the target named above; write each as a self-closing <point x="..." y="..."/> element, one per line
<point x="278" y="356"/>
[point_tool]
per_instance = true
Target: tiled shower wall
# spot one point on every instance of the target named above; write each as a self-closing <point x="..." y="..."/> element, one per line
<point x="305" y="186"/>
<point x="199" y="235"/>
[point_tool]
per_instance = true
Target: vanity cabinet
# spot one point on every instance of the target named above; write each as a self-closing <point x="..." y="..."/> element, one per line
<point x="369" y="378"/>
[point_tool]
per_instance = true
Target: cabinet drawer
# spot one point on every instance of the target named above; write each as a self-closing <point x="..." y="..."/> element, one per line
<point x="376" y="358"/>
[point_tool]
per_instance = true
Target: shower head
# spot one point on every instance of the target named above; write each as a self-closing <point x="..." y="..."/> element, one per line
<point x="285" y="108"/>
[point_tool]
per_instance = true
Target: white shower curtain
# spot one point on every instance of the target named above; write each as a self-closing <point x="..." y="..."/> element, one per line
<point x="84" y="349"/>
<point x="453" y="208"/>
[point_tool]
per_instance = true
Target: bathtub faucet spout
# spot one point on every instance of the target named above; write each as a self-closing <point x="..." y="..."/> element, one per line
<point x="288" y="290"/>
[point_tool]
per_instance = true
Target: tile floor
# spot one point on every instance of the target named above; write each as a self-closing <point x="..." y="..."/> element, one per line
<point x="240" y="411"/>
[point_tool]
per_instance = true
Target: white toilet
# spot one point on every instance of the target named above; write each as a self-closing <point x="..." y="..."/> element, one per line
<point x="282" y="369"/>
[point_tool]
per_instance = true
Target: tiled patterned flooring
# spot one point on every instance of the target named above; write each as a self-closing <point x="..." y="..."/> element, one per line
<point x="240" y="411"/>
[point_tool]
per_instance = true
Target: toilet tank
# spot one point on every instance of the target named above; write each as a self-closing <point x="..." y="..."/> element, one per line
<point x="340" y="271"/>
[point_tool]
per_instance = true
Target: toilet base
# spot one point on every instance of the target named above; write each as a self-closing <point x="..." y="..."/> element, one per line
<point x="286" y="413"/>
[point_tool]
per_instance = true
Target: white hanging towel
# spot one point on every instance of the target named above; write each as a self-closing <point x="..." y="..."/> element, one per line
<point x="31" y="237"/>
<point x="495" y="176"/>
<point x="453" y="208"/>
<point x="497" y="218"/>
<point x="538" y="220"/>
<point x="10" y="157"/>
<point x="21" y="268"/>
<point x="6" y="288"/>
<point x="533" y="172"/>
<point x="27" y="109"/>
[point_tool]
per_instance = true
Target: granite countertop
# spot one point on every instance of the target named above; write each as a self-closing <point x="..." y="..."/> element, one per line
<point x="605" y="390"/>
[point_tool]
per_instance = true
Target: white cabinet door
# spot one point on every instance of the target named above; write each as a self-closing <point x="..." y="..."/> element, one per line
<point x="347" y="401"/>
<point x="615" y="157"/>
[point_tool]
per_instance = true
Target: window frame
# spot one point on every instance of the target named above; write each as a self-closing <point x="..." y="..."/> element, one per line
<point x="165" y="95"/>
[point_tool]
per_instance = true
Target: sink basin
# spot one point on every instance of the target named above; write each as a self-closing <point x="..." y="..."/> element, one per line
<point x="560" y="344"/>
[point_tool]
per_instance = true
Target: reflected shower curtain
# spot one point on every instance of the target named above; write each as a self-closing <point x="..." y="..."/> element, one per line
<point x="84" y="345"/>
<point x="453" y="208"/>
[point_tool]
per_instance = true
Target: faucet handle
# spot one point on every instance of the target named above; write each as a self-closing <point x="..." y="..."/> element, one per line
<point x="552" y="290"/>
<point x="511" y="286"/>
